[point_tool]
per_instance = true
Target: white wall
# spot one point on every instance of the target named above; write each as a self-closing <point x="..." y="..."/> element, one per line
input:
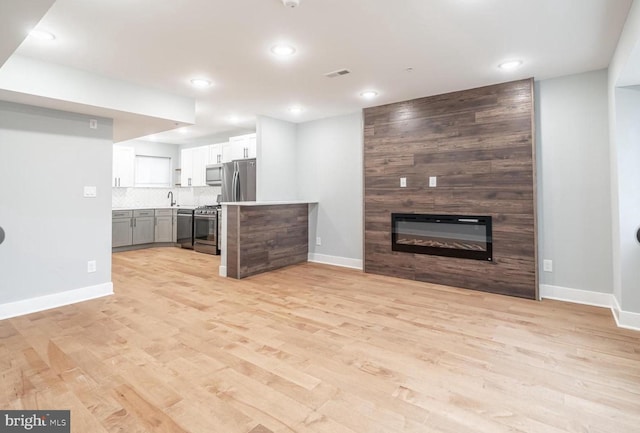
<point x="150" y="148"/>
<point x="628" y="151"/>
<point x="625" y="57"/>
<point x="330" y="171"/>
<point x="46" y="158"/>
<point x="276" y="174"/>
<point x="574" y="220"/>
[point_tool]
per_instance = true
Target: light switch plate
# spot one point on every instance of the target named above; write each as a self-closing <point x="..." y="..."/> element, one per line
<point x="93" y="124"/>
<point x="403" y="182"/>
<point x="433" y="182"/>
<point x="91" y="266"/>
<point x="547" y="265"/>
<point x="90" y="191"/>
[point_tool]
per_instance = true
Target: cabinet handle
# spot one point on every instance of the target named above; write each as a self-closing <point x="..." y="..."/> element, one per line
<point x="131" y="223"/>
<point x="156" y="221"/>
<point x="115" y="181"/>
<point x="135" y="222"/>
<point x="189" y="181"/>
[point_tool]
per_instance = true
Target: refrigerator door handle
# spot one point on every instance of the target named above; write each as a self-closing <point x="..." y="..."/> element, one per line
<point x="239" y="187"/>
<point x="234" y="186"/>
<point x="237" y="191"/>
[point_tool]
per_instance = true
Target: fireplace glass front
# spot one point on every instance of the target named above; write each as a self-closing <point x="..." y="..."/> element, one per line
<point x="444" y="235"/>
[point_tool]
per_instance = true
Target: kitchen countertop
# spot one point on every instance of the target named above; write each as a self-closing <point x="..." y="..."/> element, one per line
<point x="152" y="207"/>
<point x="266" y="203"/>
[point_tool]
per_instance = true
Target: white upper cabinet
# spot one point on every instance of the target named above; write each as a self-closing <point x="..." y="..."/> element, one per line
<point x="250" y="144"/>
<point x="240" y="147"/>
<point x="123" y="166"/>
<point x="193" y="164"/>
<point x="215" y="153"/>
<point x="194" y="160"/>
<point x="186" y="167"/>
<point x="200" y="158"/>
<point x="231" y="151"/>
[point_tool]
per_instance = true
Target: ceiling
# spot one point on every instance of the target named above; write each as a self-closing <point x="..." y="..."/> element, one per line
<point x="448" y="44"/>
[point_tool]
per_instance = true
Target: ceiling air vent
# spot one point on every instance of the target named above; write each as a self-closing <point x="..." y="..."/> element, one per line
<point x="337" y="73"/>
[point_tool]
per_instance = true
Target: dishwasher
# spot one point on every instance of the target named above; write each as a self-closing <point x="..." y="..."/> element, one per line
<point x="185" y="228"/>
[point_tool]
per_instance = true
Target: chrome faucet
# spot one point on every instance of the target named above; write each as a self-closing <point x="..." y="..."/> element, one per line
<point x="173" y="203"/>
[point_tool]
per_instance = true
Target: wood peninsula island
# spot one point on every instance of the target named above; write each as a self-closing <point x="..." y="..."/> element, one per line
<point x="261" y="236"/>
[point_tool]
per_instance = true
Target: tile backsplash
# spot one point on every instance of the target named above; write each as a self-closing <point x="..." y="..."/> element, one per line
<point x="157" y="197"/>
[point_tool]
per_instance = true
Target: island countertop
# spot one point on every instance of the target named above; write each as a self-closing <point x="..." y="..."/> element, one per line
<point x="266" y="203"/>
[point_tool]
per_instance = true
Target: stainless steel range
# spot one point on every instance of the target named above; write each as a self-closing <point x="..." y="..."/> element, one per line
<point x="205" y="229"/>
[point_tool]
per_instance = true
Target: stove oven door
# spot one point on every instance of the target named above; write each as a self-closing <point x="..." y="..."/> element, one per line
<point x="205" y="233"/>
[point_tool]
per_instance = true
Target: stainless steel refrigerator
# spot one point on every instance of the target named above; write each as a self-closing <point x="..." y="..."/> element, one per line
<point x="239" y="180"/>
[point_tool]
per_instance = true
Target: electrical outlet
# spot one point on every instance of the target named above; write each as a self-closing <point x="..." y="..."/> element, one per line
<point x="403" y="182"/>
<point x="318" y="240"/>
<point x="91" y="266"/>
<point x="547" y="265"/>
<point x="433" y="181"/>
<point x="90" y="191"/>
<point x="93" y="124"/>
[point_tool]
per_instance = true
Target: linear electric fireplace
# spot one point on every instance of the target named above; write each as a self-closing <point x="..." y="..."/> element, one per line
<point x="461" y="236"/>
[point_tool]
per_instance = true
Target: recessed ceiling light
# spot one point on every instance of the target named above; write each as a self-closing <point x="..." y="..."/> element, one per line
<point x="42" y="35"/>
<point x="369" y="94"/>
<point x="200" y="83"/>
<point x="233" y="119"/>
<point x="510" y="65"/>
<point x="283" y="50"/>
<point x="296" y="109"/>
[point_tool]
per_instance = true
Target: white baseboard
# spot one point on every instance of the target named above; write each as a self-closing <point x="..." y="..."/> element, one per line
<point x="41" y="303"/>
<point x="222" y="271"/>
<point x="624" y="319"/>
<point x="345" y="262"/>
<point x="577" y="296"/>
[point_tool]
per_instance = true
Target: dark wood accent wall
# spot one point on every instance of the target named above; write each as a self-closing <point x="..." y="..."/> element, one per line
<point x="479" y="144"/>
<point x="264" y="238"/>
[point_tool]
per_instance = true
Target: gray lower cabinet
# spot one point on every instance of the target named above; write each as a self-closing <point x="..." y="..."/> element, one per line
<point x="174" y="236"/>
<point x="121" y="225"/>
<point x="164" y="225"/>
<point x="143" y="226"/>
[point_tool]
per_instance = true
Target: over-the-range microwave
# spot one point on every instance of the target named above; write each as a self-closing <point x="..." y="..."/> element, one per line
<point x="213" y="175"/>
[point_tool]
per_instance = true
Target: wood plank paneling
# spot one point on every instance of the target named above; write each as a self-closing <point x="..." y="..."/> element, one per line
<point x="479" y="144"/>
<point x="232" y="241"/>
<point x="265" y="238"/>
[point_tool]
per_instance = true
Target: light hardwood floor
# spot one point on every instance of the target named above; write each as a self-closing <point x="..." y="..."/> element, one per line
<point x="314" y="348"/>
